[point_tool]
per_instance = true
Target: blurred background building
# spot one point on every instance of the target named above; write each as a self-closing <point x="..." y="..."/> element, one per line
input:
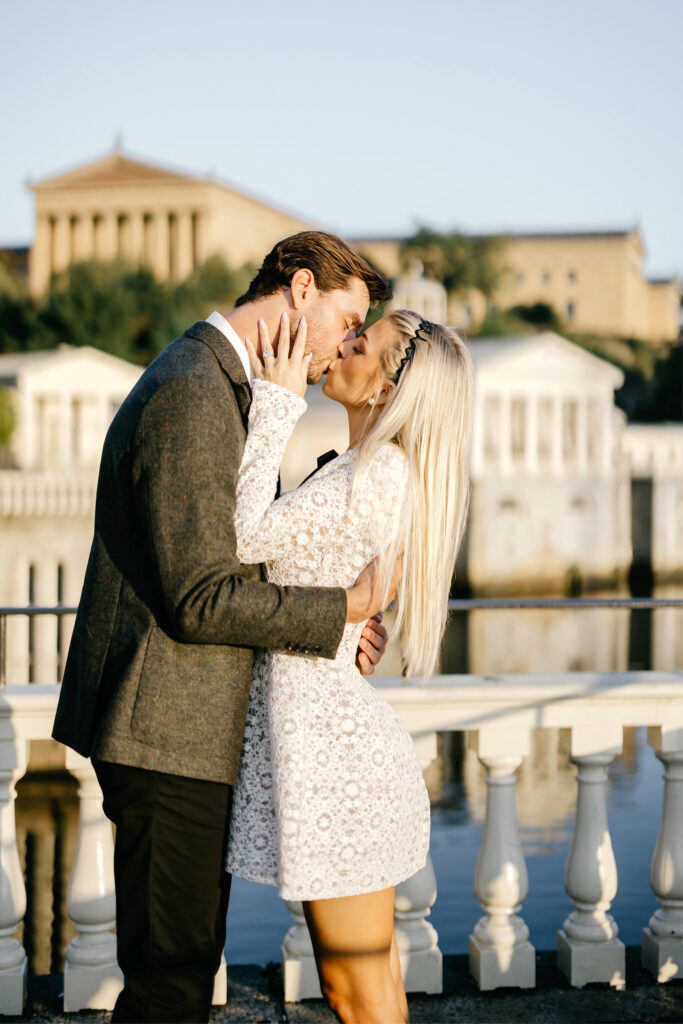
<point x="120" y="207"/>
<point x="565" y="492"/>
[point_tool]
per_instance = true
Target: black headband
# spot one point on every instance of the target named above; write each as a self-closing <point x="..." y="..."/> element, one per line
<point x="412" y="345"/>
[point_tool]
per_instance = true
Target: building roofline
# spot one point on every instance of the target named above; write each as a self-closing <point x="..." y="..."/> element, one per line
<point x="508" y="233"/>
<point x="205" y="179"/>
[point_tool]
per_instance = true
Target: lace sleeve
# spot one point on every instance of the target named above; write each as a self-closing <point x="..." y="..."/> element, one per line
<point x="273" y="414"/>
<point x="327" y="513"/>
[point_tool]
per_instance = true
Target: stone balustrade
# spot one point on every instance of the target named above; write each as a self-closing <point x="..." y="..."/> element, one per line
<point x="498" y="714"/>
<point x="45" y="493"/>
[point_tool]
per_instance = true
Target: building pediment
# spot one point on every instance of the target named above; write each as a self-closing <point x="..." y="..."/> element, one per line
<point x="546" y="356"/>
<point x="67" y="363"/>
<point x="115" y="169"/>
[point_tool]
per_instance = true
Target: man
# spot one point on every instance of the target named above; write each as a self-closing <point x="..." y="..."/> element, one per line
<point x="157" y="678"/>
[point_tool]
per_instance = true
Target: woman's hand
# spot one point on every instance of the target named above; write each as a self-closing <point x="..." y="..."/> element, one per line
<point x="288" y="369"/>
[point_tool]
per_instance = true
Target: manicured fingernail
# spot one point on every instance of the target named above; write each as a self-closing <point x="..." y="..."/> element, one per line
<point x="247" y="341"/>
<point x="262" y="324"/>
<point x="303" y="320"/>
<point x="284" y="317"/>
<point x="309" y="356"/>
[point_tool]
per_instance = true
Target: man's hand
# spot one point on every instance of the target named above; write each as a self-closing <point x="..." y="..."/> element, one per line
<point x="372" y="645"/>
<point x="365" y="599"/>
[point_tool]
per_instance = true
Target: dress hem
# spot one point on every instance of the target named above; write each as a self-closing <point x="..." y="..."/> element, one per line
<point x="292" y="898"/>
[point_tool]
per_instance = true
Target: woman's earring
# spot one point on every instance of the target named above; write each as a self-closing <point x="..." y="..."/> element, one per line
<point x="371" y="401"/>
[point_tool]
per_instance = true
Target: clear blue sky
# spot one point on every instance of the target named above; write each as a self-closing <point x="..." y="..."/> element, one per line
<point x="365" y="116"/>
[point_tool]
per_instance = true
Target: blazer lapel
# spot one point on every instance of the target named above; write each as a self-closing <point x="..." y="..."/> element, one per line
<point x="229" y="360"/>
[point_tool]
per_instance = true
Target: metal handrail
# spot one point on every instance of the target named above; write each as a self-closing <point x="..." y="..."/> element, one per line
<point x="469" y="603"/>
<point x="454" y="605"/>
<point x="464" y="604"/>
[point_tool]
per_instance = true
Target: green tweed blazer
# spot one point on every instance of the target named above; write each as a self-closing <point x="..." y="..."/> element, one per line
<point x="160" y="662"/>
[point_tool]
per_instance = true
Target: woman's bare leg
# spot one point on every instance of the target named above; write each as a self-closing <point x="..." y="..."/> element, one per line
<point x="352" y="938"/>
<point x="398" y="978"/>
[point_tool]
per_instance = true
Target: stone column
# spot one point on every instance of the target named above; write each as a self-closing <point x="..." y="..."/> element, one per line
<point x="531" y="436"/>
<point x="478" y="455"/>
<point x="161" y="253"/>
<point x="581" y="438"/>
<point x="109" y="236"/>
<point x="505" y="462"/>
<point x="607" y="439"/>
<point x="184" y="265"/>
<point x="662" y="940"/>
<point x="40" y="260"/>
<point x="500" y="953"/>
<point x="85" y="237"/>
<point x="18" y="625"/>
<point x="588" y="948"/>
<point x="557" y="440"/>
<point x="62" y="243"/>
<point x="199" y="238"/>
<point x="137" y="237"/>
<point x="45" y="626"/>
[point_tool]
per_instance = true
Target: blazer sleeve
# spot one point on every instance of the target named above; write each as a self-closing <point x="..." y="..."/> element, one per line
<point x="186" y="456"/>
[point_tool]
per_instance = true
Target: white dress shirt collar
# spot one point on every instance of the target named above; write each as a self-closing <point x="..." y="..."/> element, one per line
<point x="219" y="321"/>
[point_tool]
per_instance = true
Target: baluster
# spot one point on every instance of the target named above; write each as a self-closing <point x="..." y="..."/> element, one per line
<point x="500" y="953"/>
<point x="662" y="948"/>
<point x="92" y="977"/>
<point x="299" y="972"/>
<point x="220" y="984"/>
<point x="13" y="963"/>
<point x="587" y="945"/>
<point x="416" y="938"/>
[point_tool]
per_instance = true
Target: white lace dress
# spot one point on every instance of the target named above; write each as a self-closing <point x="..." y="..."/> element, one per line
<point x="330" y="799"/>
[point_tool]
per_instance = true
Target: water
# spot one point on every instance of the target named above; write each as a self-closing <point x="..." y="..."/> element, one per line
<point x="606" y="640"/>
<point x="258" y="919"/>
<point x="480" y="642"/>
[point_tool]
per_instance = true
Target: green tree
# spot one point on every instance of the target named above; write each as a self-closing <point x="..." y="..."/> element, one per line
<point x="501" y="323"/>
<point x="459" y="261"/>
<point x="661" y="399"/>
<point x="116" y="307"/>
<point x="540" y="315"/>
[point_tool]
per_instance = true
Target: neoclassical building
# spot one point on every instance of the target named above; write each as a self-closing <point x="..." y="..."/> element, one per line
<point x="170" y="221"/>
<point x="64" y="400"/>
<point x="593" y="279"/>
<point x="119" y="207"/>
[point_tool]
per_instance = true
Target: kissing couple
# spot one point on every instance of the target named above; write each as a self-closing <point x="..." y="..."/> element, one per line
<point x="217" y="670"/>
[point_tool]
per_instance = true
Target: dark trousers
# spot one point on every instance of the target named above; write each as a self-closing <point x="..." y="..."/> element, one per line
<point x="172" y="889"/>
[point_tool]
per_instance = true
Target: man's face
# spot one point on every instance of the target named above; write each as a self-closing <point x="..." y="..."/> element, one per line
<point x="334" y="317"/>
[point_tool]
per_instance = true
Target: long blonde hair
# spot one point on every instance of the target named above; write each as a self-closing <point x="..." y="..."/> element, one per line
<point x="428" y="415"/>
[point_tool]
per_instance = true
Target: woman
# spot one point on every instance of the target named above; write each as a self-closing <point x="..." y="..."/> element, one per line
<point x="330" y="803"/>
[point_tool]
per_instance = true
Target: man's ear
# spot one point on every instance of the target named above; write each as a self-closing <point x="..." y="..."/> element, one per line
<point x="302" y="287"/>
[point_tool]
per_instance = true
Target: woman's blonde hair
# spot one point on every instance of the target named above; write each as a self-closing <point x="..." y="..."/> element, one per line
<point x="428" y="415"/>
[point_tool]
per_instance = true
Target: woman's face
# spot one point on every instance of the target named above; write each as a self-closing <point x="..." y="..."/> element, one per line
<point x="356" y="374"/>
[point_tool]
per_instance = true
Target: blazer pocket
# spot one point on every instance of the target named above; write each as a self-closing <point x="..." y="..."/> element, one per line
<point x="190" y="694"/>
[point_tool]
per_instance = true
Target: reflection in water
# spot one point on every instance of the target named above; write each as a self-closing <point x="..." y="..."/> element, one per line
<point x="594" y="640"/>
<point x="47" y="830"/>
<point x="479" y="642"/>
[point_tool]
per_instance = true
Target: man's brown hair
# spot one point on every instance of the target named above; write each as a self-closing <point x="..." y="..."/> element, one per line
<point x="329" y="259"/>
